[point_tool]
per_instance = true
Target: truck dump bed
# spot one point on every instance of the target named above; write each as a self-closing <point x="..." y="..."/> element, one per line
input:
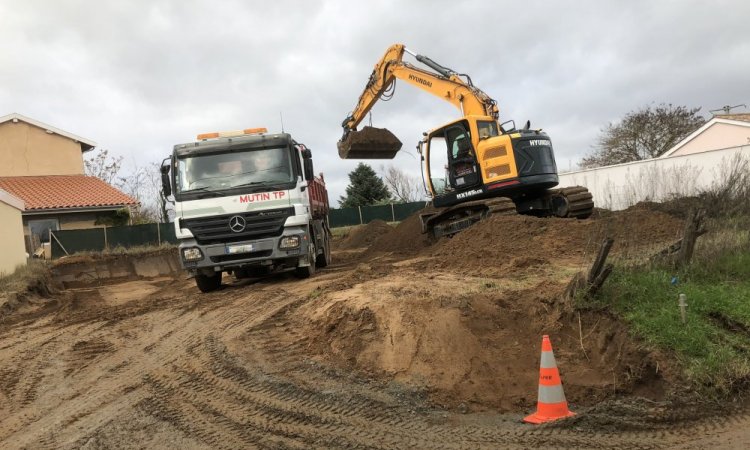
<point x="318" y="193"/>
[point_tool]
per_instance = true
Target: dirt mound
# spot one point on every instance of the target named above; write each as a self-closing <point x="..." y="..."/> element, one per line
<point x="406" y="238"/>
<point x="474" y="343"/>
<point x="32" y="285"/>
<point x="524" y="242"/>
<point x="463" y="317"/>
<point x="514" y="241"/>
<point x="361" y="236"/>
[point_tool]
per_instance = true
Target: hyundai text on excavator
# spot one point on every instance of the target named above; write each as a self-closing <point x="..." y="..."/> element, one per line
<point x="489" y="167"/>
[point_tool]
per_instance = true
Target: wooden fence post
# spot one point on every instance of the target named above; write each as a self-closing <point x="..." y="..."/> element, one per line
<point x="590" y="284"/>
<point x="693" y="229"/>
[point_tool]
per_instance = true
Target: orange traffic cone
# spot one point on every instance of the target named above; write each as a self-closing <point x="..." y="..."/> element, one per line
<point x="551" y="404"/>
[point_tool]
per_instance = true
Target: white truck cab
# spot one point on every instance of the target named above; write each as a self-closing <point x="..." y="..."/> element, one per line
<point x="247" y="203"/>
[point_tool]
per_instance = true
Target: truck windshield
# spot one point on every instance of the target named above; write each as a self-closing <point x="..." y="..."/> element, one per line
<point x="221" y="171"/>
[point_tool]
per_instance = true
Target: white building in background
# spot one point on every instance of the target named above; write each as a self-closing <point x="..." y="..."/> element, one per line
<point x="698" y="162"/>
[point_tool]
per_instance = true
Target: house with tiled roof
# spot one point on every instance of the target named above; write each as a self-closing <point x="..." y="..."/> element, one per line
<point x="43" y="166"/>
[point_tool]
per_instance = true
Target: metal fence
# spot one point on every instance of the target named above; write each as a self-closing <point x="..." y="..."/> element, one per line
<point x="394" y="212"/>
<point x="67" y="242"/>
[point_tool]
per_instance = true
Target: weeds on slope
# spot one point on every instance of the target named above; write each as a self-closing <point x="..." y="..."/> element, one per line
<point x="29" y="277"/>
<point x="713" y="346"/>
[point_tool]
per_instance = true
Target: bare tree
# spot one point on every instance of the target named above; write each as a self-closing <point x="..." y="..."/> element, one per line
<point x="144" y="185"/>
<point x="403" y="187"/>
<point x="643" y="134"/>
<point x="134" y="185"/>
<point x="102" y="166"/>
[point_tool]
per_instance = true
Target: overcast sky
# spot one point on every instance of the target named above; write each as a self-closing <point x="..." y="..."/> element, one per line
<point x="138" y="77"/>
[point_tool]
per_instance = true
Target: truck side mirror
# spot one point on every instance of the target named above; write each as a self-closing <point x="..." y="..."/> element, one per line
<point x="308" y="164"/>
<point x="166" y="185"/>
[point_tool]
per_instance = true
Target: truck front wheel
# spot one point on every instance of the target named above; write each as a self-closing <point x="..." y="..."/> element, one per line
<point x="307" y="271"/>
<point x="208" y="283"/>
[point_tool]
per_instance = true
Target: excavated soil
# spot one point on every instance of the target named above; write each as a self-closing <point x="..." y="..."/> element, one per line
<point x="364" y="235"/>
<point x="462" y="318"/>
<point x="369" y="143"/>
<point x="402" y="342"/>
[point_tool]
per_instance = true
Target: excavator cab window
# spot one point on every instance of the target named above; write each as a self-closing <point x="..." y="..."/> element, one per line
<point x="487" y="129"/>
<point x="462" y="170"/>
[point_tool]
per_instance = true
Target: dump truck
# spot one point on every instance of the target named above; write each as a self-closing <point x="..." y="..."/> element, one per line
<point x="474" y="166"/>
<point x="247" y="203"/>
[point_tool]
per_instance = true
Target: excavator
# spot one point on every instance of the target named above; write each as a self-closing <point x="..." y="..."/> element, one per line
<point x="487" y="167"/>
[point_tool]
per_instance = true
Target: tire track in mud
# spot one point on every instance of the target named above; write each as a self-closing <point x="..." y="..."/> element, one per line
<point x="83" y="402"/>
<point x="257" y="402"/>
<point x="173" y="363"/>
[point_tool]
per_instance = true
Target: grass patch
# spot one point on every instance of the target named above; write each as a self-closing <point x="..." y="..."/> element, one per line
<point x="713" y="347"/>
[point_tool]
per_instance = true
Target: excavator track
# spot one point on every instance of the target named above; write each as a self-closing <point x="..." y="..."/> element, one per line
<point x="570" y="202"/>
<point x="502" y="206"/>
<point x="577" y="202"/>
<point x="449" y="221"/>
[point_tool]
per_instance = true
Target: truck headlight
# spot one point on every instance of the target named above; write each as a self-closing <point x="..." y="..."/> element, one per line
<point x="192" y="254"/>
<point x="289" y="242"/>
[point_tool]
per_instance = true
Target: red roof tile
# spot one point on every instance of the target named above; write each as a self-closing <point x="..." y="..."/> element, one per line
<point x="64" y="191"/>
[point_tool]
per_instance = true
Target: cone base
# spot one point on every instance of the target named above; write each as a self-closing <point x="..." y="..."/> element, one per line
<point x="537" y="418"/>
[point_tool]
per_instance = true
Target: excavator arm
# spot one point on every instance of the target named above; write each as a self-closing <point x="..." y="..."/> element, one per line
<point x="443" y="83"/>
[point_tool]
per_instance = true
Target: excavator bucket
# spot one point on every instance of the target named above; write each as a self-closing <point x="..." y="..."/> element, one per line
<point x="369" y="143"/>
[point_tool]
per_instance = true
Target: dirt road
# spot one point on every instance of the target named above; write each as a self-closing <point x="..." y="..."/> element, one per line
<point x="153" y="363"/>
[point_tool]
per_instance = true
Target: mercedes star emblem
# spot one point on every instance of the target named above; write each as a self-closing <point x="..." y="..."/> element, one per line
<point x="237" y="224"/>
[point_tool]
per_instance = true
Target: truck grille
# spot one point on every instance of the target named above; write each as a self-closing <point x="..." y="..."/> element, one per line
<point x="258" y="225"/>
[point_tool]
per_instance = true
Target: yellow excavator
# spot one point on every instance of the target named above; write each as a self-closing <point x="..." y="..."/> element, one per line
<point x="489" y="168"/>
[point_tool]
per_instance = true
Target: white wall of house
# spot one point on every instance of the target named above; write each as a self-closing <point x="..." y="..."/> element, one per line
<point x="11" y="234"/>
<point x="724" y="134"/>
<point x="623" y="185"/>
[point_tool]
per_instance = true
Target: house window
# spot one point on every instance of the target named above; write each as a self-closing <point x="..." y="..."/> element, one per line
<point x="40" y="229"/>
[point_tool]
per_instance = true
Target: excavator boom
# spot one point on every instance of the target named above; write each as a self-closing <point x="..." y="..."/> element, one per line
<point x="380" y="143"/>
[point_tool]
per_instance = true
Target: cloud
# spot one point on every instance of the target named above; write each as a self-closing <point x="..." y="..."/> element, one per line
<point x="139" y="77"/>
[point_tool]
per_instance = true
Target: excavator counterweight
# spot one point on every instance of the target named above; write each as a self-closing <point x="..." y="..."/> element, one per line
<point x="369" y="143"/>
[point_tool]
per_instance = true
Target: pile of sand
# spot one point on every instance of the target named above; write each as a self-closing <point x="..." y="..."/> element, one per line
<point x="463" y="317"/>
<point x="361" y="236"/>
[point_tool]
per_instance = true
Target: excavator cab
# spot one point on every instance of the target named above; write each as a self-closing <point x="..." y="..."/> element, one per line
<point x="462" y="165"/>
<point x="472" y="154"/>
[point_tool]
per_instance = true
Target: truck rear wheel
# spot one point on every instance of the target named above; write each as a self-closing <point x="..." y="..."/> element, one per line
<point x="208" y="283"/>
<point x="324" y="259"/>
